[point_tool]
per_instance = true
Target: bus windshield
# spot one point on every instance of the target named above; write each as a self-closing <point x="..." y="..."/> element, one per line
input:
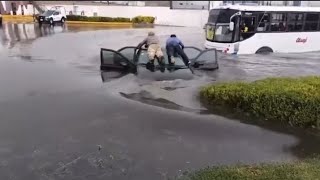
<point x="218" y="25"/>
<point x="219" y="33"/>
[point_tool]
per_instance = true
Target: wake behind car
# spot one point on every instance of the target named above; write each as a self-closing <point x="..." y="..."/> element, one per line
<point x="129" y="59"/>
<point x="52" y="16"/>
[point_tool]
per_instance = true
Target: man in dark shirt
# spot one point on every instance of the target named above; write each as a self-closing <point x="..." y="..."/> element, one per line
<point x="174" y="46"/>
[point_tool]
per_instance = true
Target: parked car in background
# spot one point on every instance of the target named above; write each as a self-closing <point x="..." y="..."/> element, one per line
<point x="52" y="16"/>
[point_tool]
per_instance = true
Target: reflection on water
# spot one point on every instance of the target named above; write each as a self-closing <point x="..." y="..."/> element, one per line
<point x="26" y="33"/>
<point x="12" y="33"/>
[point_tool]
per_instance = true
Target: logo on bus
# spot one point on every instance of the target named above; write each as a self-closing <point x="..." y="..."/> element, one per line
<point x="301" y="40"/>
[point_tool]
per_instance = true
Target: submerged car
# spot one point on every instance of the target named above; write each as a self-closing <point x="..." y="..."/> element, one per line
<point x="130" y="59"/>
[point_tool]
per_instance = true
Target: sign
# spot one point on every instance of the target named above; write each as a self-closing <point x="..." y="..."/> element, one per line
<point x="301" y="40"/>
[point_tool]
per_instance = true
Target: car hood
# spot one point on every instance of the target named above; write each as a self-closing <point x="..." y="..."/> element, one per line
<point x="167" y="75"/>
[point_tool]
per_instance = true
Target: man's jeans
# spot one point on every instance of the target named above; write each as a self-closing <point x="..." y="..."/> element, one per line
<point x="175" y="51"/>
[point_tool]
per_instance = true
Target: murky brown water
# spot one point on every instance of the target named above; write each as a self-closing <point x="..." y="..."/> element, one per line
<point x="55" y="110"/>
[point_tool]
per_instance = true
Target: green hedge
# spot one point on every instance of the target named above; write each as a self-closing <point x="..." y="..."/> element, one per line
<point x="296" y="101"/>
<point x="138" y="19"/>
<point x="143" y="19"/>
<point x="301" y="170"/>
<point x="97" y="19"/>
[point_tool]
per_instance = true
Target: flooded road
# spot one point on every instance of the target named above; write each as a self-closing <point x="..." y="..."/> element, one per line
<point x="59" y="120"/>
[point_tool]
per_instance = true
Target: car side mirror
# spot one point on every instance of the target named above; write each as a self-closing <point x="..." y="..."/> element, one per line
<point x="231" y="26"/>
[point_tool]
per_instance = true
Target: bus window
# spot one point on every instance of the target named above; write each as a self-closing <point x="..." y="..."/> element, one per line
<point x="222" y="33"/>
<point x="278" y="22"/>
<point x="263" y="22"/>
<point x="220" y="16"/>
<point x="248" y="24"/>
<point x="217" y="28"/>
<point x="295" y="21"/>
<point x="247" y="27"/>
<point x="311" y="23"/>
<point x="213" y="16"/>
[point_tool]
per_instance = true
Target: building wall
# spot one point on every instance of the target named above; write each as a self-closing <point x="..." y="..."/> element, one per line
<point x="164" y="15"/>
<point x="311" y="3"/>
<point x="157" y="3"/>
<point x="190" y="4"/>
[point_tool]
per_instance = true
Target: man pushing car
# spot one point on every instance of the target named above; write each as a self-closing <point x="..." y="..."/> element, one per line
<point x="175" y="47"/>
<point x="154" y="48"/>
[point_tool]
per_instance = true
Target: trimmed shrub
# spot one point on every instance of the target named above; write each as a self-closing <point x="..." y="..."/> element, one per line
<point x="137" y="20"/>
<point x="296" y="101"/>
<point x="143" y="19"/>
<point x="305" y="169"/>
<point x="97" y="19"/>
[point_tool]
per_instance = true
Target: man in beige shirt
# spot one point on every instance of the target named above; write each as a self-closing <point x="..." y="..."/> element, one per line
<point x="154" y="48"/>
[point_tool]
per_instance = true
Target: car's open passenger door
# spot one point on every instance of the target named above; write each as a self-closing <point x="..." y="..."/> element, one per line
<point x="192" y="52"/>
<point x="111" y="59"/>
<point x="128" y="52"/>
<point x="207" y="59"/>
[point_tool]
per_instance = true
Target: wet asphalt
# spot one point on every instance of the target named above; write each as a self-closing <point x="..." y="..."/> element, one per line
<point x="60" y="120"/>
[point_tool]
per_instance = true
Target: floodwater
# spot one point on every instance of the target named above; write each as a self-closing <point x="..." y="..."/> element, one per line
<point x="59" y="120"/>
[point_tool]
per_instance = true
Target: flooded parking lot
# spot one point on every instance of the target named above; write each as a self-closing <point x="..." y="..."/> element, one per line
<point x="59" y="120"/>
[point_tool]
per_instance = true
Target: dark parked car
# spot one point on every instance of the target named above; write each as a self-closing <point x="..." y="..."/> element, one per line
<point x="132" y="60"/>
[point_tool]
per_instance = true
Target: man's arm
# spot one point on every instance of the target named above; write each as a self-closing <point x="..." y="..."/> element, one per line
<point x="142" y="43"/>
<point x="181" y="44"/>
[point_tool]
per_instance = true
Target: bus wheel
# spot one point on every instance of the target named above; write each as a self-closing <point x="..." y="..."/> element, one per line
<point x="264" y="50"/>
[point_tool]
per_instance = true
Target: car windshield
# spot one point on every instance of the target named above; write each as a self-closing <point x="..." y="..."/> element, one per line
<point x="219" y="32"/>
<point x="48" y="13"/>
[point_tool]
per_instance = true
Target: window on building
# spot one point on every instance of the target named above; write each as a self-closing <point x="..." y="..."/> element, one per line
<point x="295" y="21"/>
<point x="296" y="3"/>
<point x="278" y="22"/>
<point x="228" y="2"/>
<point x="263" y="22"/>
<point x="311" y="23"/>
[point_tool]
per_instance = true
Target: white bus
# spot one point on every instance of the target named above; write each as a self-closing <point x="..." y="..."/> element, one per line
<point x="239" y="29"/>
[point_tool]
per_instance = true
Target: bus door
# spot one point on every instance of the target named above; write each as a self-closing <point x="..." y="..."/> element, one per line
<point x="248" y="25"/>
<point x="237" y="28"/>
